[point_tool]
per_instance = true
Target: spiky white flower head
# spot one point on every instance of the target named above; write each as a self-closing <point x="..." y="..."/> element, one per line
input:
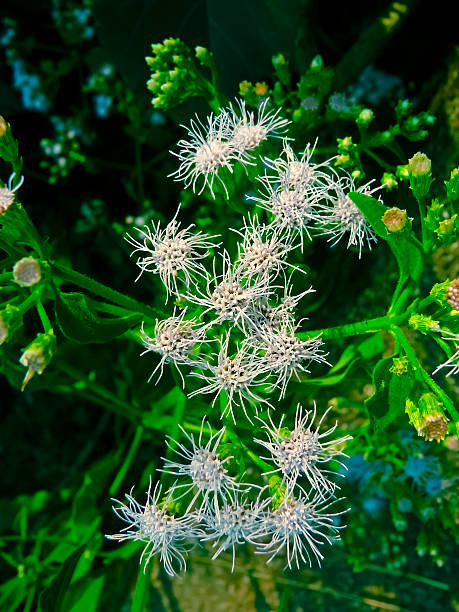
<point x="174" y="339"/>
<point x="340" y="217"/>
<point x="263" y="249"/>
<point x="300" y="171"/>
<point x="280" y="314"/>
<point x="27" y="272"/>
<point x="173" y="253"/>
<point x="205" y="152"/>
<point x="286" y="355"/>
<point x="230" y="295"/>
<point x="292" y="208"/>
<point x="453" y="362"/>
<point x="235" y="523"/>
<point x="234" y="374"/>
<point x="7" y="193"/>
<point x="245" y="132"/>
<point x="164" y="534"/>
<point x="304" y="451"/>
<point x="298" y="526"/>
<point x="203" y="468"/>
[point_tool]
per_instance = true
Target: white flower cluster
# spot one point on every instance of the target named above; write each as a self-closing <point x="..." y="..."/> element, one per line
<point x="207" y="504"/>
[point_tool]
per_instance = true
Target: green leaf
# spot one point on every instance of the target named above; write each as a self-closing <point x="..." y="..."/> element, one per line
<point x="79" y="321"/>
<point x="406" y="249"/>
<point x="84" y="594"/>
<point x="52" y="598"/>
<point x="391" y="391"/>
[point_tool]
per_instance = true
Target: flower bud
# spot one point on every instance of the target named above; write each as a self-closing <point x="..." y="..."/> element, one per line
<point x="428" y="417"/>
<point x="365" y="117"/>
<point x="317" y="63"/>
<point x="440" y="293"/>
<point x="394" y="219"/>
<point x="389" y="180"/>
<point x="403" y="172"/>
<point x="6" y="199"/>
<point x="261" y="89"/>
<point x="420" y="175"/>
<point x="446" y="229"/>
<point x="399" y="366"/>
<point x="10" y="321"/>
<point x="27" y="272"/>
<point x="422" y="323"/>
<point x="452" y="186"/>
<point x="204" y="56"/>
<point x="38" y="355"/>
<point x="3" y="126"/>
<point x="453" y="294"/>
<point x="419" y="165"/>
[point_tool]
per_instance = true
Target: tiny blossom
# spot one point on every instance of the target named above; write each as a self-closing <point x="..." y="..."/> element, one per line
<point x="298" y="526"/>
<point x="281" y="314"/>
<point x="205" y="153"/>
<point x="453" y="362"/>
<point x="27" y="272"/>
<point x="164" y="534"/>
<point x="174" y="339"/>
<point x="300" y="171"/>
<point x="173" y="253"/>
<point x="230" y="296"/>
<point x="286" y="355"/>
<point x="234" y="523"/>
<point x="245" y="132"/>
<point x="303" y="450"/>
<point x="263" y="249"/>
<point x="233" y="375"/>
<point x="7" y="193"/>
<point x="341" y="216"/>
<point x="205" y="469"/>
<point x="292" y="208"/>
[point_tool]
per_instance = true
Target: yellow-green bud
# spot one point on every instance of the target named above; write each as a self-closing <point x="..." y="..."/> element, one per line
<point x="439" y="293"/>
<point x="3" y="126"/>
<point x="27" y="272"/>
<point x="394" y="219"/>
<point x="428" y="417"/>
<point x="422" y="323"/>
<point x="365" y="117"/>
<point x="204" y="56"/>
<point x="403" y="172"/>
<point x="10" y="321"/>
<point x="38" y="355"/>
<point x="447" y="227"/>
<point x="3" y="330"/>
<point x="389" y="180"/>
<point x="419" y="165"/>
<point x="399" y="366"/>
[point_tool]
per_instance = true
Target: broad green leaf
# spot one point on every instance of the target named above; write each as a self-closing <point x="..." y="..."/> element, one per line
<point x="52" y="598"/>
<point x="391" y="391"/>
<point x="12" y="593"/>
<point x="83" y="595"/>
<point x="79" y="321"/>
<point x="406" y="249"/>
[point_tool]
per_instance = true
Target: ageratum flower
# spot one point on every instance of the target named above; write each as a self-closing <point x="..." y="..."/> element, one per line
<point x="304" y="451"/>
<point x="203" y="468"/>
<point x="263" y="249"/>
<point x="163" y="533"/>
<point x="298" y="526"/>
<point x="173" y="253"/>
<point x="245" y="132"/>
<point x="7" y="193"/>
<point x="207" y="151"/>
<point x="230" y="295"/>
<point x="293" y="209"/>
<point x="277" y="315"/>
<point x="234" y="523"/>
<point x="234" y="375"/>
<point x="340" y="217"/>
<point x="286" y="355"/>
<point x="174" y="339"/>
<point x="300" y="171"/>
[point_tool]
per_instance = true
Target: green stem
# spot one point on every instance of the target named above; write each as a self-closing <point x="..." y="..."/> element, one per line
<point x="105" y="292"/>
<point x="141" y="590"/>
<point x="423" y="376"/>
<point x="355" y="329"/>
<point x="127" y="462"/>
<point x="424" y="231"/>
<point x="47" y="327"/>
<point x="377" y="159"/>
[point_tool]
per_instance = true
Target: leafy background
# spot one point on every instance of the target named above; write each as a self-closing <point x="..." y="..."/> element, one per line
<point x="64" y="442"/>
